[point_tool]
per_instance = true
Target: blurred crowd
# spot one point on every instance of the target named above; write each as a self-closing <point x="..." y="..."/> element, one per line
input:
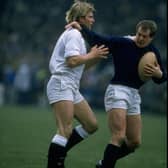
<point x="29" y="30"/>
<point x="24" y="85"/>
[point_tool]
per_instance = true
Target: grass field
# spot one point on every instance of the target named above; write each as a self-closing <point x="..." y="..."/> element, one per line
<point x="25" y="133"/>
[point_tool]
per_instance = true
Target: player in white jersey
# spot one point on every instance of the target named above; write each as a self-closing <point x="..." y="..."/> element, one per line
<point x="67" y="63"/>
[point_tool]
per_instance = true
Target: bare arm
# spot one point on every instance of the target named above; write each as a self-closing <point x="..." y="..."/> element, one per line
<point x="153" y="70"/>
<point x="92" y="63"/>
<point x="73" y="24"/>
<point x="93" y="38"/>
<point x="95" y="53"/>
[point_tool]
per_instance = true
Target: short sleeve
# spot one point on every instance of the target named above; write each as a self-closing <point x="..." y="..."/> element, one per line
<point x="72" y="43"/>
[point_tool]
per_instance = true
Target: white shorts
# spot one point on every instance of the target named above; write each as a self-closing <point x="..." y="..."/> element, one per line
<point x="119" y="96"/>
<point x="62" y="88"/>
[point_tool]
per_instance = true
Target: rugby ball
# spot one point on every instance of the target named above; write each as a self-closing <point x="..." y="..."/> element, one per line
<point x="150" y="58"/>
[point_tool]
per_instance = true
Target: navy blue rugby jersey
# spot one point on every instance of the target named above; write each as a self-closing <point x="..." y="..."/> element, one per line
<point x="126" y="56"/>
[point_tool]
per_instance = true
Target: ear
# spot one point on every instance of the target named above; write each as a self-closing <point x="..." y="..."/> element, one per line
<point x="82" y="20"/>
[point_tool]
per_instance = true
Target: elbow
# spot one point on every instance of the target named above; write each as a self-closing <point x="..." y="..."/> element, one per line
<point x="159" y="81"/>
<point x="71" y="63"/>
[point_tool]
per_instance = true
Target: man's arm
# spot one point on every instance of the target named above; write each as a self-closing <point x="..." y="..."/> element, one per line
<point x="94" y="38"/>
<point x="160" y="78"/>
<point x="163" y="77"/>
<point x="91" y="63"/>
<point x="95" y="53"/>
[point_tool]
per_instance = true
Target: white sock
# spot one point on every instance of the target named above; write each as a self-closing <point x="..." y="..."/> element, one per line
<point x="60" y="140"/>
<point x="81" y="131"/>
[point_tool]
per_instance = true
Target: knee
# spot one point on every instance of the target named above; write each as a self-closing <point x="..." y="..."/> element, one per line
<point x="134" y="144"/>
<point x="92" y="127"/>
<point x="118" y="137"/>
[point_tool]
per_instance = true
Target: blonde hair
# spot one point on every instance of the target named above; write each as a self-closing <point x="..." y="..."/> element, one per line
<point x="78" y="9"/>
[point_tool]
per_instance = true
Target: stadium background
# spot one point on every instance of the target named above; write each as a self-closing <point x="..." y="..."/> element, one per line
<point x="29" y="30"/>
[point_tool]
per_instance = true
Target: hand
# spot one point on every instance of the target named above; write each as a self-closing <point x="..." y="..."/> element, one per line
<point x="151" y="70"/>
<point x="73" y="24"/>
<point x="99" y="52"/>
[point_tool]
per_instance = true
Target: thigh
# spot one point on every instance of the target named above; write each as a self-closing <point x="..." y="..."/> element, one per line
<point x="58" y="90"/>
<point x="134" y="103"/>
<point x="64" y="112"/>
<point x="117" y="121"/>
<point x="116" y="97"/>
<point x="85" y="116"/>
<point x="133" y="131"/>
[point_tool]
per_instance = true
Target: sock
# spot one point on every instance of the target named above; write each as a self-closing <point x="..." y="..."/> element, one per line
<point x="110" y="156"/>
<point x="124" y="150"/>
<point x="57" y="152"/>
<point x="78" y="134"/>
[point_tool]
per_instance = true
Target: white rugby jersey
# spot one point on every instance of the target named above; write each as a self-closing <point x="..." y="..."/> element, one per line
<point x="70" y="43"/>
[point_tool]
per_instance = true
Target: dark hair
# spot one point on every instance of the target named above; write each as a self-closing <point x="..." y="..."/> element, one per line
<point x="148" y="25"/>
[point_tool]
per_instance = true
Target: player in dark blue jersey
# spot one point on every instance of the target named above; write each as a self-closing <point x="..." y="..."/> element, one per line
<point x="122" y="99"/>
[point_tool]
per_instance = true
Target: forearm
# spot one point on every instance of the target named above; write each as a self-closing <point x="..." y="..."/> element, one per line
<point x="162" y="79"/>
<point x="161" y="75"/>
<point x="75" y="61"/>
<point x="93" y="38"/>
<point x="95" y="53"/>
<point x="91" y="63"/>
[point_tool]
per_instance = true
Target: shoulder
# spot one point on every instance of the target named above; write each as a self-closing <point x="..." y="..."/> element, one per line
<point x="121" y="39"/>
<point x="129" y="37"/>
<point x="73" y="32"/>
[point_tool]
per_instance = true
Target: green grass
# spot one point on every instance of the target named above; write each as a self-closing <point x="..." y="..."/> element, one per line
<point x="25" y="133"/>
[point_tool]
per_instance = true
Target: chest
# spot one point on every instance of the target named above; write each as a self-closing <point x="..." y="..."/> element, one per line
<point x="128" y="56"/>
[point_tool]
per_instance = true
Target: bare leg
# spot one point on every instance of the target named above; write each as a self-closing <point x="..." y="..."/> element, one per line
<point x="86" y="117"/>
<point x="63" y="111"/>
<point x="117" y="126"/>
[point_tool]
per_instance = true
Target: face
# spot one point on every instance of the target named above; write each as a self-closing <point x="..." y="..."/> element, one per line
<point x="87" y="20"/>
<point x="142" y="38"/>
